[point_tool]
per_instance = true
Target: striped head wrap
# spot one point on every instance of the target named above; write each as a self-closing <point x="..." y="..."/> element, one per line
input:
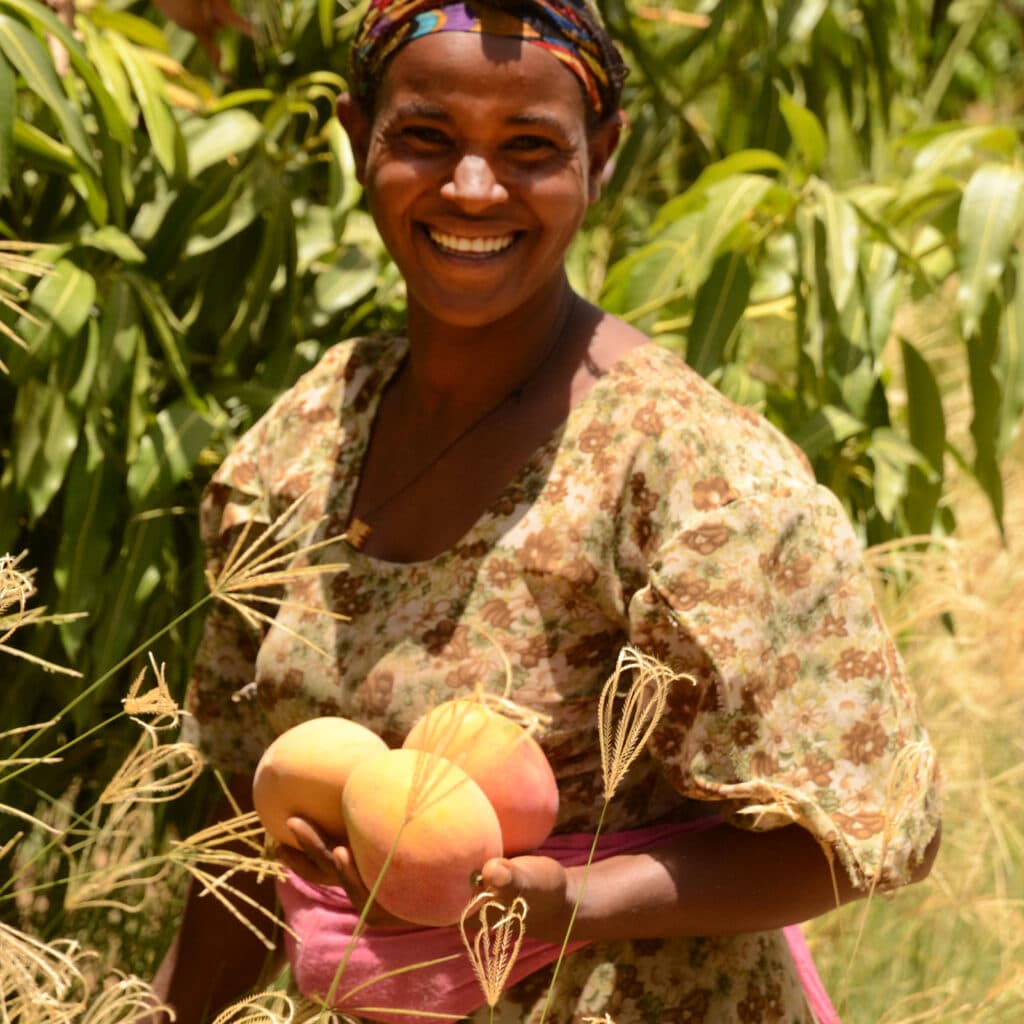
<point x="559" y="26"/>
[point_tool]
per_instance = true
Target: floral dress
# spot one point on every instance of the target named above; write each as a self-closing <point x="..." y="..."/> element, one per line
<point x="659" y="515"/>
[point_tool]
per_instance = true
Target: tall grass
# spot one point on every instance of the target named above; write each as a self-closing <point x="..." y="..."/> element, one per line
<point x="952" y="949"/>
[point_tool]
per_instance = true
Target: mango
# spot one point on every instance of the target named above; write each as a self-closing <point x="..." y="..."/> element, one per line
<point x="304" y="772"/>
<point x="436" y="820"/>
<point x="503" y="759"/>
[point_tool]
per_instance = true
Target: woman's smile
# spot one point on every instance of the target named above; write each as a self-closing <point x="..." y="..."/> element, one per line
<point x="475" y="246"/>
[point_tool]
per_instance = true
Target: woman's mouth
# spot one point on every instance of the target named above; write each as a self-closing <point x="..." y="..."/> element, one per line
<point x="478" y="246"/>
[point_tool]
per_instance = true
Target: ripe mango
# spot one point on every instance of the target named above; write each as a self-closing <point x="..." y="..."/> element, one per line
<point x="304" y="771"/>
<point x="504" y="760"/>
<point x="439" y="824"/>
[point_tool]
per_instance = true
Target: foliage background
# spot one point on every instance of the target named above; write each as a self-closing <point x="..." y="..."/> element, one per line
<point x="818" y="204"/>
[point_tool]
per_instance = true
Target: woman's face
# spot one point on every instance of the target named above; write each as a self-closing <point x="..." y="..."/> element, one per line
<point x="478" y="166"/>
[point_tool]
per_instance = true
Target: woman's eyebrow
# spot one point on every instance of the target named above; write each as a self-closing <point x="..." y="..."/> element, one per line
<point x="536" y="120"/>
<point x="420" y="108"/>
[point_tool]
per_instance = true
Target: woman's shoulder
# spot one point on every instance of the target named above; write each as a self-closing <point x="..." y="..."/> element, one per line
<point x="653" y="392"/>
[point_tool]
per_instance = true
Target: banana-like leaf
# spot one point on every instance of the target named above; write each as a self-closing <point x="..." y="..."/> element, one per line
<point x="168" y="453"/>
<point x="120" y="336"/>
<point x="926" y="422"/>
<point x="991" y="212"/>
<point x="826" y="428"/>
<point x="893" y="457"/>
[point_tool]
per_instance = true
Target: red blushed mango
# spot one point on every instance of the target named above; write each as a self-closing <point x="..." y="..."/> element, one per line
<point x="435" y="823"/>
<point x="504" y="760"/>
<point x="304" y="771"/>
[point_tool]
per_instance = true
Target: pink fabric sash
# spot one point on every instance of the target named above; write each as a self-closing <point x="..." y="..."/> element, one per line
<point x="324" y="920"/>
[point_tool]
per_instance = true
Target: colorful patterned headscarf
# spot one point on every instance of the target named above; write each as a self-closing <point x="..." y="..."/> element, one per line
<point x="555" y="25"/>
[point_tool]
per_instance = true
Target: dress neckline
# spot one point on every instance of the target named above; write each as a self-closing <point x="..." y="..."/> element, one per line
<point x="396" y="353"/>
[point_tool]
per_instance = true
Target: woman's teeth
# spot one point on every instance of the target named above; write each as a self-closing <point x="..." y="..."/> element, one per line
<point x="454" y="243"/>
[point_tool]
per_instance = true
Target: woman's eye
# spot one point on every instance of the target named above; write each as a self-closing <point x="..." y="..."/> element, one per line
<point x="425" y="136"/>
<point x="531" y="144"/>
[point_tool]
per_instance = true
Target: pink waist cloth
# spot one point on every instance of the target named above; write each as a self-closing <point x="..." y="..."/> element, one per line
<point x="324" y="920"/>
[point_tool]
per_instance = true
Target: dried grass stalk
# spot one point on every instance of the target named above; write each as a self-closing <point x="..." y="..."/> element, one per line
<point x="264" y="1008"/>
<point x="157" y="702"/>
<point x="495" y="947"/>
<point x="625" y="729"/>
<point x="39" y="982"/>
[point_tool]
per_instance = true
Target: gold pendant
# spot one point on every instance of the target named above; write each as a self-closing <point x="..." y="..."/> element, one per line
<point x="357" y="533"/>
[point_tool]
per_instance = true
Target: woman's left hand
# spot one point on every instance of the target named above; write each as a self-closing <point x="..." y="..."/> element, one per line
<point x="545" y="885"/>
<point x="323" y="861"/>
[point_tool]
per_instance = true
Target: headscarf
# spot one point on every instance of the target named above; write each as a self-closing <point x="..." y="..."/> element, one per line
<point x="558" y="26"/>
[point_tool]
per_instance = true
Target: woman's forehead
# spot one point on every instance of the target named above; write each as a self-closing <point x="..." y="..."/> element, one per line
<point x="451" y="68"/>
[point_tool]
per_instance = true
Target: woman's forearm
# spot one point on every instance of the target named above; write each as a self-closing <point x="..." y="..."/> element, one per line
<point x="720" y="881"/>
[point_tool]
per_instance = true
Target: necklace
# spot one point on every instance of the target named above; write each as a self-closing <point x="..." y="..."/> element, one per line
<point x="359" y="529"/>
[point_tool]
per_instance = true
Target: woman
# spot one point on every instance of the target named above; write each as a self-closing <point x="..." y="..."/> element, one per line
<point x="523" y="469"/>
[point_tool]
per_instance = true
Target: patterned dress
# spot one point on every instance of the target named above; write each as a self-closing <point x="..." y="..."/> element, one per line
<point x="661" y="515"/>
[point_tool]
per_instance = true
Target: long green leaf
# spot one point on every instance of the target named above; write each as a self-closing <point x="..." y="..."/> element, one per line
<point x="7" y="105"/>
<point x="52" y="154"/>
<point x="167" y="454"/>
<point x="717" y="312"/>
<point x="61" y="303"/>
<point x="33" y="61"/>
<point x="221" y="137"/>
<point x="987" y="399"/>
<point x="46" y="434"/>
<point x="842" y="241"/>
<point x="927" y="425"/>
<point x="149" y="91"/>
<point x="990" y="218"/>
<point x="806" y="132"/>
<point x="1011" y="356"/>
<point x="90" y="526"/>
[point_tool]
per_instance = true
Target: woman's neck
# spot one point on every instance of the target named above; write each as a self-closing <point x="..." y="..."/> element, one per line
<point x="453" y="367"/>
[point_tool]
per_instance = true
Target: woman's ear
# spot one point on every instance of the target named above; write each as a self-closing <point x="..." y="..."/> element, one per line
<point x="602" y="142"/>
<point x="356" y="122"/>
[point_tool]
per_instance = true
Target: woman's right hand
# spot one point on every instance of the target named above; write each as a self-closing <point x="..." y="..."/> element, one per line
<point x="324" y="862"/>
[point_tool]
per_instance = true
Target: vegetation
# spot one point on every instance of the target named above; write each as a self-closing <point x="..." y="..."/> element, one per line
<point x="818" y="204"/>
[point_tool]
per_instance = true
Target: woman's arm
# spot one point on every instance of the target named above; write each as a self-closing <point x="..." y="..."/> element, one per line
<point x="719" y="881"/>
<point x="213" y="958"/>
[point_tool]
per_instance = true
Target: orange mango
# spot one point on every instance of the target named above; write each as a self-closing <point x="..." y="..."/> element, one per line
<point x="434" y="823"/>
<point x="304" y="772"/>
<point x="504" y="760"/>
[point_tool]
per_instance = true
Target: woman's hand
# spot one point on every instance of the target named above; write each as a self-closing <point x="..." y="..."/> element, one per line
<point x="546" y="886"/>
<point x="323" y="862"/>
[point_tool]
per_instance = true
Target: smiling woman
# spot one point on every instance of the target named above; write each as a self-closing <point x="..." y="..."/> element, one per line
<point x="522" y="486"/>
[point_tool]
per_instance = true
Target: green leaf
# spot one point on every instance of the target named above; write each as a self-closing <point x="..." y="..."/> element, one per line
<point x="640" y="283"/>
<point x="110" y="69"/>
<point x="148" y="87"/>
<point x="132" y="27"/>
<point x="990" y="217"/>
<point x="927" y="425"/>
<point x="987" y="398"/>
<point x="805" y="131"/>
<point x="45" y="437"/>
<point x="221" y="137"/>
<point x="717" y="312"/>
<point x="1011" y="356"/>
<point x="140" y="561"/>
<point x="90" y="526"/>
<point x="120" y="336"/>
<point x="7" y="105"/>
<point x="826" y="428"/>
<point x="115" y="242"/>
<point x="52" y="154"/>
<point x="62" y="301"/>
<point x="893" y="457"/>
<point x="747" y="161"/>
<point x="842" y="241"/>
<point x="167" y="454"/>
<point x="33" y="61"/>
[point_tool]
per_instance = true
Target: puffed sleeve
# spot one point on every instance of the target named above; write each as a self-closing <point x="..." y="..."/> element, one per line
<point x="801" y="710"/>
<point x="225" y="721"/>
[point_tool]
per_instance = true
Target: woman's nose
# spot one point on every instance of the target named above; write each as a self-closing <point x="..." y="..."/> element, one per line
<point x="473" y="184"/>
